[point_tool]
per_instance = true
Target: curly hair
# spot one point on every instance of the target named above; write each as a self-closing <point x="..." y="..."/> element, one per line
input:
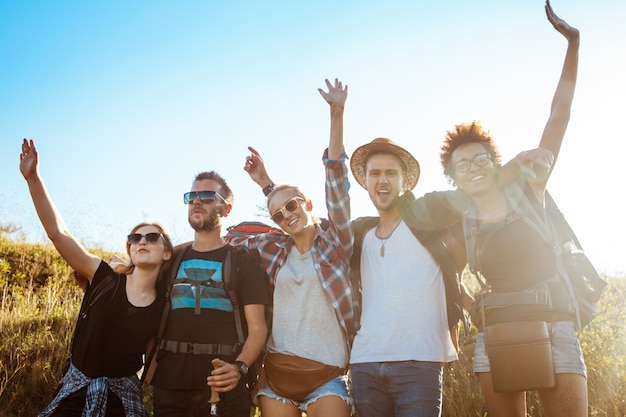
<point x="462" y="134"/>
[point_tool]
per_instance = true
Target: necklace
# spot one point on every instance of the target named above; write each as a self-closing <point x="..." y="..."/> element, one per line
<point x="384" y="240"/>
<point x="382" y="247"/>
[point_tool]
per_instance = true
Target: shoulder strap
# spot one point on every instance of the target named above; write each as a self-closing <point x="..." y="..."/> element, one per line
<point x="232" y="294"/>
<point x="174" y="271"/>
<point x="563" y="231"/>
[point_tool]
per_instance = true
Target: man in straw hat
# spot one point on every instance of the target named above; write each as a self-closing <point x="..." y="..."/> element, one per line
<point x="407" y="286"/>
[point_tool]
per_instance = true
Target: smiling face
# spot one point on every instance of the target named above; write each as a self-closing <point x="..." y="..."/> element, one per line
<point x="294" y="221"/>
<point x="383" y="180"/>
<point x="478" y="178"/>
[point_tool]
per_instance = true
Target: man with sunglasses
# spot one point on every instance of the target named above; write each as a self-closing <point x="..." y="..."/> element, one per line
<point x="199" y="350"/>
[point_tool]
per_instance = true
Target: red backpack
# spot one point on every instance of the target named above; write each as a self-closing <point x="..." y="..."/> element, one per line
<point x="249" y="228"/>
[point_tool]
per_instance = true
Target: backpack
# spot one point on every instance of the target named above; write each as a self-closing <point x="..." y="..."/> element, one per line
<point x="250" y="228"/>
<point x="576" y="274"/>
<point x="586" y="283"/>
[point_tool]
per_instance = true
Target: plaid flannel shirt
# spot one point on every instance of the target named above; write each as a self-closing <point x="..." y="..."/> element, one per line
<point x="331" y="249"/>
<point x="128" y="389"/>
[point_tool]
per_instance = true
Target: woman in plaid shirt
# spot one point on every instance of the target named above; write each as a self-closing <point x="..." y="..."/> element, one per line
<point x="308" y="265"/>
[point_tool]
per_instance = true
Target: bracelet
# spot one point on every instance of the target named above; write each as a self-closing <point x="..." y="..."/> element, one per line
<point x="268" y="189"/>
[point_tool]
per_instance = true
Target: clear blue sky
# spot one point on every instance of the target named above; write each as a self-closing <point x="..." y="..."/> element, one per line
<point x="128" y="100"/>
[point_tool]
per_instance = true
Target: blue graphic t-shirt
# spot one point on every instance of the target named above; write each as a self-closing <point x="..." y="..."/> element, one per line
<point x="199" y="284"/>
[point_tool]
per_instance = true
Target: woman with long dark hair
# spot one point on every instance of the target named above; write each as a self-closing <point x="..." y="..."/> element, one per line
<point x="118" y="317"/>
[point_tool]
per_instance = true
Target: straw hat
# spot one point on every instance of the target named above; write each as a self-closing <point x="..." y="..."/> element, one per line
<point x="384" y="145"/>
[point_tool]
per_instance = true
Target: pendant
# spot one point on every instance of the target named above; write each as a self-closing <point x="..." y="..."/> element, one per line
<point x="382" y="251"/>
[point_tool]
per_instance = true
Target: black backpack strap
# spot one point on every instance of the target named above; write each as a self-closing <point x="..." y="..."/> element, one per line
<point x="232" y="294"/>
<point x="168" y="301"/>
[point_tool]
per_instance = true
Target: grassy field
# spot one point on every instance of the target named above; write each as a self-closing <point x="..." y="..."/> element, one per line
<point x="39" y="302"/>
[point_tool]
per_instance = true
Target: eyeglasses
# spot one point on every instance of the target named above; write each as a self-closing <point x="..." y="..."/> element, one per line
<point x="205" y="196"/>
<point x="291" y="205"/>
<point x="135" y="238"/>
<point x="464" y="165"/>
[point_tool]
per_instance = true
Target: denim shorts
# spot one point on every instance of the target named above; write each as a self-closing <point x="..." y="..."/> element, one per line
<point x="336" y="386"/>
<point x="566" y="352"/>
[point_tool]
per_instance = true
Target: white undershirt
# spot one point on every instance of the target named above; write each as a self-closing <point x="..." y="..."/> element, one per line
<point x="404" y="305"/>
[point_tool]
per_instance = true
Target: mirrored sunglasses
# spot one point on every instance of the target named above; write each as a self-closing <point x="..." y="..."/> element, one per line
<point x="205" y="196"/>
<point x="464" y="165"/>
<point x="135" y="238"/>
<point x="291" y="205"/>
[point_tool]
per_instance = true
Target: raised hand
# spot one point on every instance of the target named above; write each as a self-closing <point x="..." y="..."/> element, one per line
<point x="570" y="33"/>
<point x="255" y="167"/>
<point x="29" y="159"/>
<point x="336" y="95"/>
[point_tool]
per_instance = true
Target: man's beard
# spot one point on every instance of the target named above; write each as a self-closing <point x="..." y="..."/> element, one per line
<point x="390" y="205"/>
<point x="207" y="224"/>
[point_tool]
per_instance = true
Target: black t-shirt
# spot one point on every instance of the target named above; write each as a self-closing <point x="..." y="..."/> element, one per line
<point x="215" y="321"/>
<point x="111" y="334"/>
<point x="515" y="257"/>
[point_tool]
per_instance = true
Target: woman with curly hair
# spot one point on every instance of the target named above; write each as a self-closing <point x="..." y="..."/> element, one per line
<point x="511" y="255"/>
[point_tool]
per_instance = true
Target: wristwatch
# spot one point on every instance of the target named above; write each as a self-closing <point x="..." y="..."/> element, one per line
<point x="242" y="368"/>
<point x="268" y="189"/>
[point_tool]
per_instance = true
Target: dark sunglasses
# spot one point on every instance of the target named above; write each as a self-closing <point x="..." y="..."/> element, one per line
<point x="135" y="238"/>
<point x="205" y="196"/>
<point x="291" y="205"/>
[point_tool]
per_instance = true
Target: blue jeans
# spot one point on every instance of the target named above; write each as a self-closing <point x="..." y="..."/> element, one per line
<point x="397" y="389"/>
